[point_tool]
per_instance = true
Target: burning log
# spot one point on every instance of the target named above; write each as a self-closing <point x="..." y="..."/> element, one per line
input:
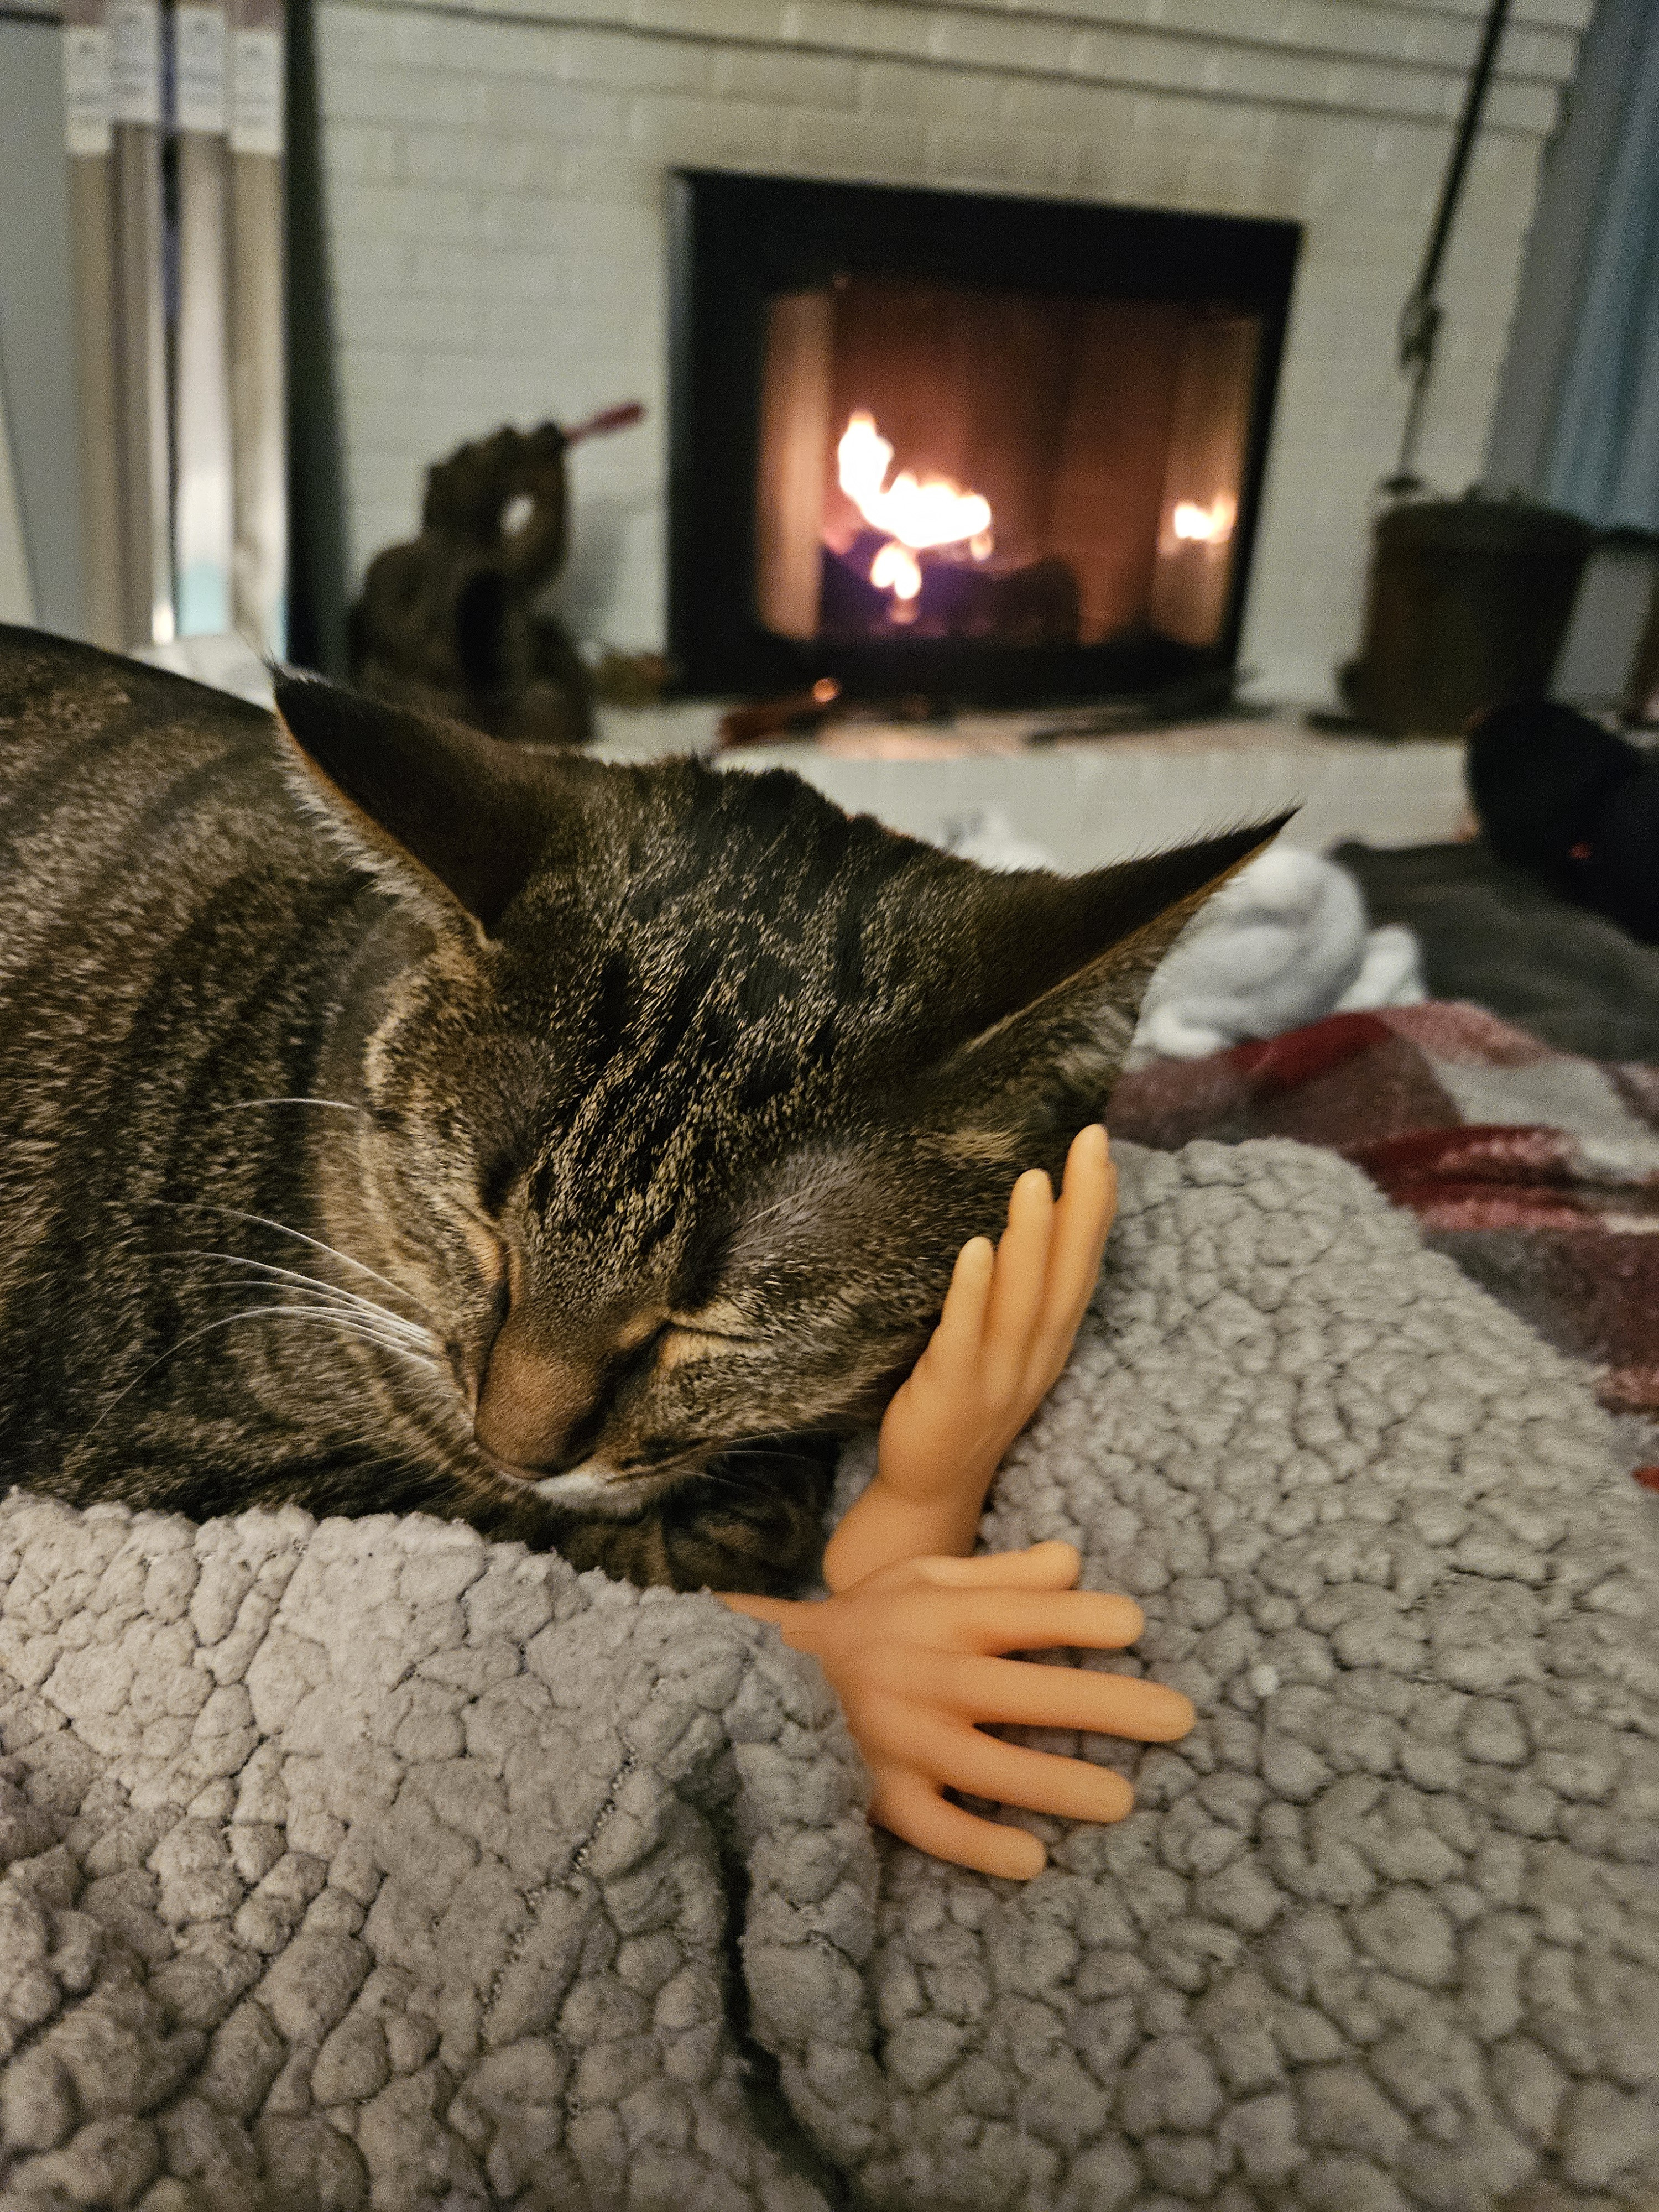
<point x="1036" y="604"/>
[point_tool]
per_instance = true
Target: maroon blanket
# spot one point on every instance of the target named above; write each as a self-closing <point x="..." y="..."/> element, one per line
<point x="1537" y="1172"/>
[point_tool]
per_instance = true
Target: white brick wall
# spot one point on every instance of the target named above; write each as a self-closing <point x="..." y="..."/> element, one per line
<point x="495" y="195"/>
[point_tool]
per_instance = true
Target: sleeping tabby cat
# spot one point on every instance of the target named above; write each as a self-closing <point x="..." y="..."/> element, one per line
<point x="393" y="1119"/>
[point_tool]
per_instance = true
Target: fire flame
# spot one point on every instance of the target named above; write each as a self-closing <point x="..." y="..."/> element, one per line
<point x="915" y="512"/>
<point x="1205" y="526"/>
<point x="897" y="569"/>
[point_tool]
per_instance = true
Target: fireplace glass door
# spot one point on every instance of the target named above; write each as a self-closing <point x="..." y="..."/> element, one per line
<point x="947" y="464"/>
<point x="958" y="444"/>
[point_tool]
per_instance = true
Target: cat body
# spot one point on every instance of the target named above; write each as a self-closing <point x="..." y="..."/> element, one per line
<point x="394" y="1120"/>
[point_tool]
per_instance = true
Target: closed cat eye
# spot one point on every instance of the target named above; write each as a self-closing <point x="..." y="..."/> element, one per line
<point x="495" y="1181"/>
<point x="680" y="1340"/>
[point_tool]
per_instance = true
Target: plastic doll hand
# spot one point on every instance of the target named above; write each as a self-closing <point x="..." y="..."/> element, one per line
<point x="910" y="1652"/>
<point x="1004" y="1336"/>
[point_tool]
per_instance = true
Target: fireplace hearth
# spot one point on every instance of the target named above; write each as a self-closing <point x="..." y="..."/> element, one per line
<point x="965" y="447"/>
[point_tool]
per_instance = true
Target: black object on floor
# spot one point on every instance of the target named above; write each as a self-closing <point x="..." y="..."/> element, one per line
<point x="1498" y="935"/>
<point x="1557" y="793"/>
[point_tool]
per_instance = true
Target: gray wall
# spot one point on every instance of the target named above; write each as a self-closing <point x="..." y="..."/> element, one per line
<point x="1547" y="305"/>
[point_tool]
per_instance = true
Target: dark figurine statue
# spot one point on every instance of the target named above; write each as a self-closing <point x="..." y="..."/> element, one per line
<point x="448" y="621"/>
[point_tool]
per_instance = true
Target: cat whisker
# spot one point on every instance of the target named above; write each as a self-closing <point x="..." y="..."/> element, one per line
<point x="383" y="1315"/>
<point x="317" y="1244"/>
<point x="324" y="1296"/>
<point x="255" y="1313"/>
<point x="415" y="1346"/>
<point x="770" y="1452"/>
<point x="341" y="1105"/>
<point x="752" y="1221"/>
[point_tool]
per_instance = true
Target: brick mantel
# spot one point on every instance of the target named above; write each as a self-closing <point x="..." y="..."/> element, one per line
<point x="495" y="192"/>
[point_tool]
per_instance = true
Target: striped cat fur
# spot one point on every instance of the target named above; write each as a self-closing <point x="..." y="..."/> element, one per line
<point x="393" y="1119"/>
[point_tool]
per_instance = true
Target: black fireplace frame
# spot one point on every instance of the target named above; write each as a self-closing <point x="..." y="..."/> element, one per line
<point x="735" y="240"/>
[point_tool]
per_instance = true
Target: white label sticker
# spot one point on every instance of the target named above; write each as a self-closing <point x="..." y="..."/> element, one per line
<point x="199" y="67"/>
<point x="135" y="56"/>
<point x="85" y="88"/>
<point x="256" y="93"/>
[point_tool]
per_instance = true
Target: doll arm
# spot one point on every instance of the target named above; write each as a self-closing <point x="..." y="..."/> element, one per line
<point x="1005" y="1334"/>
<point x="911" y="1642"/>
<point x="911" y="1653"/>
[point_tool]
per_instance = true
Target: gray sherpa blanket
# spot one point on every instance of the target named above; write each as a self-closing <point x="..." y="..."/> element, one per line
<point x="369" y="1864"/>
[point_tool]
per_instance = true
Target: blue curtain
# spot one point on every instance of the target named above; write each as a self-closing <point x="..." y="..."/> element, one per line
<point x="1601" y="459"/>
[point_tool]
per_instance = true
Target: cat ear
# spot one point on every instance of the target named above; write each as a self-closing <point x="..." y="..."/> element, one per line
<point x="444" y="814"/>
<point x="1063" y="964"/>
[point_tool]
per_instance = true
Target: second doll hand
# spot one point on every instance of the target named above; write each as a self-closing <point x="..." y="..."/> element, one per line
<point x="1006" y="1330"/>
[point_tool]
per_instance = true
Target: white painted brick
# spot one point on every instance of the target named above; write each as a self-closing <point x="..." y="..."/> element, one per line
<point x="786" y="79"/>
<point x="594" y="229"/>
<point x="365" y="153"/>
<point x="1037" y="104"/>
<point x="636" y="274"/>
<point x="632" y="63"/>
<point x="679" y="131"/>
<point x="986" y="42"/>
<point x="477" y="157"/>
<point x="398" y="325"/>
<point x="496" y="191"/>
<point x="350" y="39"/>
<point x="388" y="371"/>
<point x="594" y="333"/>
<point x="877" y="148"/>
<point x="399" y="98"/>
<point x="958" y="153"/>
<point x="862" y="26"/>
<point x="761" y="20"/>
<point x="516" y="103"/>
<point x="1221" y="182"/>
<point x="443" y="272"/>
<point x="361" y="264"/>
<point x="909" y="88"/>
<point x="459" y="45"/>
<point x="415" y="212"/>
<point x="597" y="170"/>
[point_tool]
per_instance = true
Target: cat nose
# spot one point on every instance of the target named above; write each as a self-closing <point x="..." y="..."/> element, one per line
<point x="532" y="1404"/>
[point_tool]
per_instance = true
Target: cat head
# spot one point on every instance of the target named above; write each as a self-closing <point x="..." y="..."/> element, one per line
<point x="677" y="1119"/>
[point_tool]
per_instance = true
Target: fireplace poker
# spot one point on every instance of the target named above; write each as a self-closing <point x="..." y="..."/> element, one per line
<point x="608" y="419"/>
<point x="771" y="718"/>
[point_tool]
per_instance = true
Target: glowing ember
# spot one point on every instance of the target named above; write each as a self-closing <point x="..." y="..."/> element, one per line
<point x="918" y="512"/>
<point x="895" y="569"/>
<point x="1205" y="526"/>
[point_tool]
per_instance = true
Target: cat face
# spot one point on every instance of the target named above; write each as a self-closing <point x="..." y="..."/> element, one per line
<point x="676" y="1128"/>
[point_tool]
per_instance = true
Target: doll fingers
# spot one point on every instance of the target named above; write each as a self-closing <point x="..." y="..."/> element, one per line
<point x="1051" y="1565"/>
<point x="1088" y="1200"/>
<point x="913" y="1810"/>
<point x="1005" y="1620"/>
<point x="1089" y="1173"/>
<point x="1011" y="1775"/>
<point x="1082" y="1220"/>
<point x="961" y="1323"/>
<point x="1014" y="1691"/>
<point x="1016" y="1288"/>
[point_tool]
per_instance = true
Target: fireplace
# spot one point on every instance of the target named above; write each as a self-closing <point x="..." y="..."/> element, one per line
<point x="964" y="447"/>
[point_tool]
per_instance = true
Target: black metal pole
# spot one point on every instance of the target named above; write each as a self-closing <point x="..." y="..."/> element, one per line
<point x="1420" y="318"/>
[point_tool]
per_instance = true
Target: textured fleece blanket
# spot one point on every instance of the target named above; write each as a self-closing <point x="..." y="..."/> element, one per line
<point x="1538" y="1172"/>
<point x="367" y="1864"/>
